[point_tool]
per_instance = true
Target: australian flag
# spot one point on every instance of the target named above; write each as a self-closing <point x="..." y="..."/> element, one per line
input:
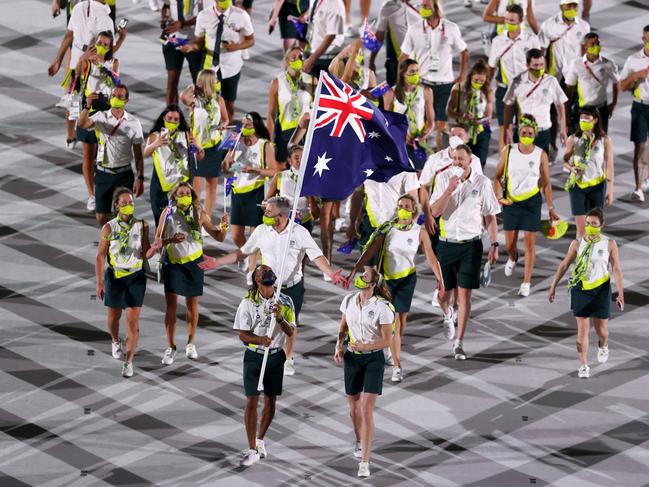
<point x="352" y="140"/>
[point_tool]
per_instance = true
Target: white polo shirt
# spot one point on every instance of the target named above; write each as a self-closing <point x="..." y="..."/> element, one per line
<point x="237" y="24"/>
<point x="509" y="55"/>
<point x="116" y="150"/>
<point x="535" y="97"/>
<point x="433" y="49"/>
<point x="270" y="244"/>
<point x="254" y="314"/>
<point x="471" y="200"/>
<point x="394" y="18"/>
<point x="87" y="20"/>
<point x="634" y="63"/>
<point x="328" y="18"/>
<point x="566" y="41"/>
<point x="381" y="198"/>
<point x="441" y="161"/>
<point x="364" y="323"/>
<point x="592" y="79"/>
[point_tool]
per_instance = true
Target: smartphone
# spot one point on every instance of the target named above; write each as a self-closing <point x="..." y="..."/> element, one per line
<point x="121" y="24"/>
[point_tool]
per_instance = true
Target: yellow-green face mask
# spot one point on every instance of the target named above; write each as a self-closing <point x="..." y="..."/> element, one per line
<point x="594" y="50"/>
<point x="248" y="131"/>
<point x="217" y="87"/>
<point x="511" y="27"/>
<point x="476" y="86"/>
<point x="404" y="214"/>
<point x="269" y="220"/>
<point x="426" y="13"/>
<point x="171" y="126"/>
<point x="101" y="50"/>
<point x="591" y="230"/>
<point x="296" y="65"/>
<point x="116" y="102"/>
<point x="224" y="5"/>
<point x="360" y="283"/>
<point x="586" y="125"/>
<point x="127" y="210"/>
<point x="537" y="73"/>
<point x="526" y="140"/>
<point x="184" y="200"/>
<point x="413" y="79"/>
<point x="570" y="14"/>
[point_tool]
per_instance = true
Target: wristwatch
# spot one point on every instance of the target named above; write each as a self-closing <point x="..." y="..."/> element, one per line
<point x="495" y="244"/>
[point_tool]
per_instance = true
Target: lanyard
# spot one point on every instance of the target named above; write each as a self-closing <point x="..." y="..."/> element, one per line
<point x="112" y="132"/>
<point x="535" y="86"/>
<point x="509" y="47"/>
<point x="442" y="33"/>
<point x="556" y="39"/>
<point x="591" y="72"/>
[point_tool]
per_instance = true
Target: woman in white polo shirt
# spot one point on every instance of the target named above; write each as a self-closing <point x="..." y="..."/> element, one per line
<point x="397" y="242"/>
<point x="522" y="173"/>
<point x="366" y="326"/>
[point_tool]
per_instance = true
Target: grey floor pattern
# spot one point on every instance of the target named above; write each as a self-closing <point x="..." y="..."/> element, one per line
<point x="513" y="414"/>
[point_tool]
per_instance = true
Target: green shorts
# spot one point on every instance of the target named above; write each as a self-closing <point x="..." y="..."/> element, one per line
<point x="245" y="209"/>
<point x="296" y="293"/>
<point x="184" y="279"/>
<point x="584" y="200"/>
<point x="594" y="303"/>
<point x="364" y="372"/>
<point x="402" y="291"/>
<point x="523" y="215"/>
<point x="639" y="122"/>
<point x="106" y="183"/>
<point x="441" y="94"/>
<point x="460" y="264"/>
<point x="273" y="377"/>
<point x="125" y="292"/>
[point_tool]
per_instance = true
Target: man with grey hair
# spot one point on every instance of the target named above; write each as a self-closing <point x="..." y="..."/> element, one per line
<point x="269" y="239"/>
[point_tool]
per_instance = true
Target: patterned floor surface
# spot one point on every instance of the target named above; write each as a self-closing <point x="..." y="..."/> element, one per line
<point x="513" y="414"/>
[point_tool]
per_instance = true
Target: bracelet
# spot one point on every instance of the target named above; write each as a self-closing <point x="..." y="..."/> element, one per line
<point x="223" y="227"/>
<point x="495" y="244"/>
<point x="141" y="178"/>
<point x="550" y="208"/>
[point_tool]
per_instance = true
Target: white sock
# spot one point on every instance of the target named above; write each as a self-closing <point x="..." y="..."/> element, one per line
<point x="457" y="343"/>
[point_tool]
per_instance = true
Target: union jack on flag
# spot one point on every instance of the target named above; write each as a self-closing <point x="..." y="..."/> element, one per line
<point x="349" y="140"/>
<point x="342" y="106"/>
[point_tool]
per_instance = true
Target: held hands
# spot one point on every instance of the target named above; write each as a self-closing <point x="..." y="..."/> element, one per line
<point x="338" y="279"/>
<point x="154" y="248"/>
<point x="209" y="263"/>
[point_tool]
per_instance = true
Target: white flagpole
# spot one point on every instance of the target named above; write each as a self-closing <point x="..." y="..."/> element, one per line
<point x="291" y="223"/>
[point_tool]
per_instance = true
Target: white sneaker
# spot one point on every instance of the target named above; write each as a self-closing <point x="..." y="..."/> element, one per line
<point x="583" y="372"/>
<point x="340" y="224"/>
<point x="458" y="351"/>
<point x="251" y="457"/>
<point x="116" y="349"/>
<point x="435" y="301"/>
<point x="524" y="289"/>
<point x="249" y="278"/>
<point x="289" y="366"/>
<point x="349" y="30"/>
<point x="154" y="5"/>
<point x="90" y="204"/>
<point x="364" y="469"/>
<point x="127" y="369"/>
<point x="637" y="195"/>
<point x="358" y="450"/>
<point x="645" y="186"/>
<point x="190" y="351"/>
<point x="509" y="267"/>
<point x="261" y="448"/>
<point x="243" y="265"/>
<point x="70" y="144"/>
<point x="602" y="354"/>
<point x="168" y="357"/>
<point x="468" y="4"/>
<point x="397" y="375"/>
<point x="449" y="324"/>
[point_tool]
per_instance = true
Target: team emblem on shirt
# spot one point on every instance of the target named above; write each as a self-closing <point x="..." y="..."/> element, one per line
<point x="474" y="193"/>
<point x="531" y="163"/>
<point x="600" y="252"/>
<point x="371" y="315"/>
<point x="409" y="241"/>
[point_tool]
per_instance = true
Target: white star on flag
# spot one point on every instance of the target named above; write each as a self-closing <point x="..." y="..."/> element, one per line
<point x="388" y="158"/>
<point x="369" y="172"/>
<point x="321" y="165"/>
<point x="374" y="135"/>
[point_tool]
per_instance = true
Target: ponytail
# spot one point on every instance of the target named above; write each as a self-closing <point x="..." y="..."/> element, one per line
<point x="380" y="288"/>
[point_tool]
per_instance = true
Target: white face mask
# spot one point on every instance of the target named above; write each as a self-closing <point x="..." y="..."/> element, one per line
<point x="454" y="141"/>
<point x="457" y="171"/>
